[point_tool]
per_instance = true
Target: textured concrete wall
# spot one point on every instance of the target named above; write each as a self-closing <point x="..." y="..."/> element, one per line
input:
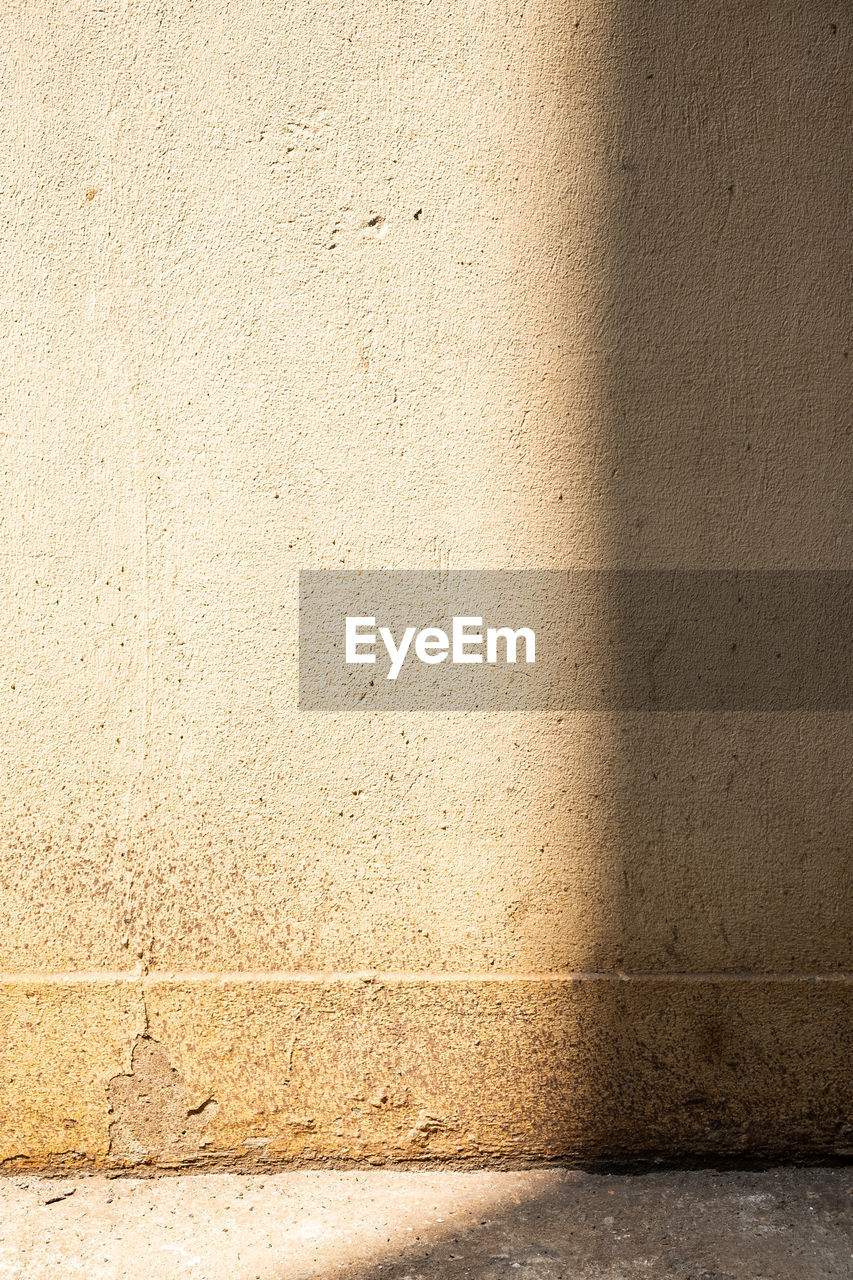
<point x="540" y="284"/>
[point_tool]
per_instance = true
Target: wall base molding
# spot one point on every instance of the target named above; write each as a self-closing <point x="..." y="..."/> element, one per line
<point x="132" y="1072"/>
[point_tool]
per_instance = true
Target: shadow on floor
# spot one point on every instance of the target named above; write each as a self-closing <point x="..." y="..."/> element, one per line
<point x="785" y="1224"/>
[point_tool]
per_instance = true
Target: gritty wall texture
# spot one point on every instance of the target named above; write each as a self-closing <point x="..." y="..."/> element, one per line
<point x="541" y="284"/>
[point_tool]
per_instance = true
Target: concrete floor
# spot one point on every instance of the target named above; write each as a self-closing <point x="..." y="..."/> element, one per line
<point x="786" y="1224"/>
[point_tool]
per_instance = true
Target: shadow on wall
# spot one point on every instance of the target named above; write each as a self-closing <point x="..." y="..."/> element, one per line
<point x="724" y="443"/>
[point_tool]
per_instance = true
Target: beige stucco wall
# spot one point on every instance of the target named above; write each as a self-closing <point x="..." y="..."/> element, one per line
<point x="493" y="284"/>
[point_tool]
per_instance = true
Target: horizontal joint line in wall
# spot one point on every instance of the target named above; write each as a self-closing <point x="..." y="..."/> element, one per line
<point x="175" y="977"/>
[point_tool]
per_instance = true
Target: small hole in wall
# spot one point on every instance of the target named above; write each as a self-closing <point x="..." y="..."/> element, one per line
<point x="91" y="192"/>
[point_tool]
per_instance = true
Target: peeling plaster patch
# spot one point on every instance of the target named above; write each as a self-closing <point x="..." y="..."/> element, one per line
<point x="152" y="1122"/>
